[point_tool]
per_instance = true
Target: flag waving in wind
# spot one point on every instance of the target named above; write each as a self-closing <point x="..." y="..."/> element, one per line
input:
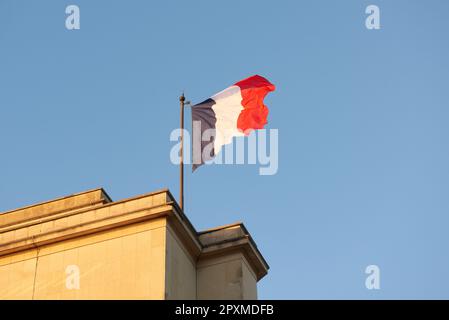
<point x="233" y="112"/>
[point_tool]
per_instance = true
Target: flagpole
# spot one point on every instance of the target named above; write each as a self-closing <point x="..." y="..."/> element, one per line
<point x="181" y="153"/>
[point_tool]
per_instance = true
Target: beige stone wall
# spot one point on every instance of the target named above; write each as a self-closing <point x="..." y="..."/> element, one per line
<point x="226" y="277"/>
<point x="181" y="270"/>
<point x="17" y="276"/>
<point x="249" y="282"/>
<point x="125" y="263"/>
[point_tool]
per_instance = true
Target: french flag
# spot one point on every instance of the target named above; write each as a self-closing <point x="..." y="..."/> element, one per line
<point x="233" y="112"/>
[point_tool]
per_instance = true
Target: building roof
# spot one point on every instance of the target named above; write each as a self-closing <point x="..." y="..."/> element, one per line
<point x="93" y="210"/>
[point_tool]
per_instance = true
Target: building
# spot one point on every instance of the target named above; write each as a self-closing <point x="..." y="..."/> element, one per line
<point x="85" y="246"/>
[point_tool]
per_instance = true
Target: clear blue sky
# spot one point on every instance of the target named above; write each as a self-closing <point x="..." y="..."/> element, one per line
<point x="362" y="116"/>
